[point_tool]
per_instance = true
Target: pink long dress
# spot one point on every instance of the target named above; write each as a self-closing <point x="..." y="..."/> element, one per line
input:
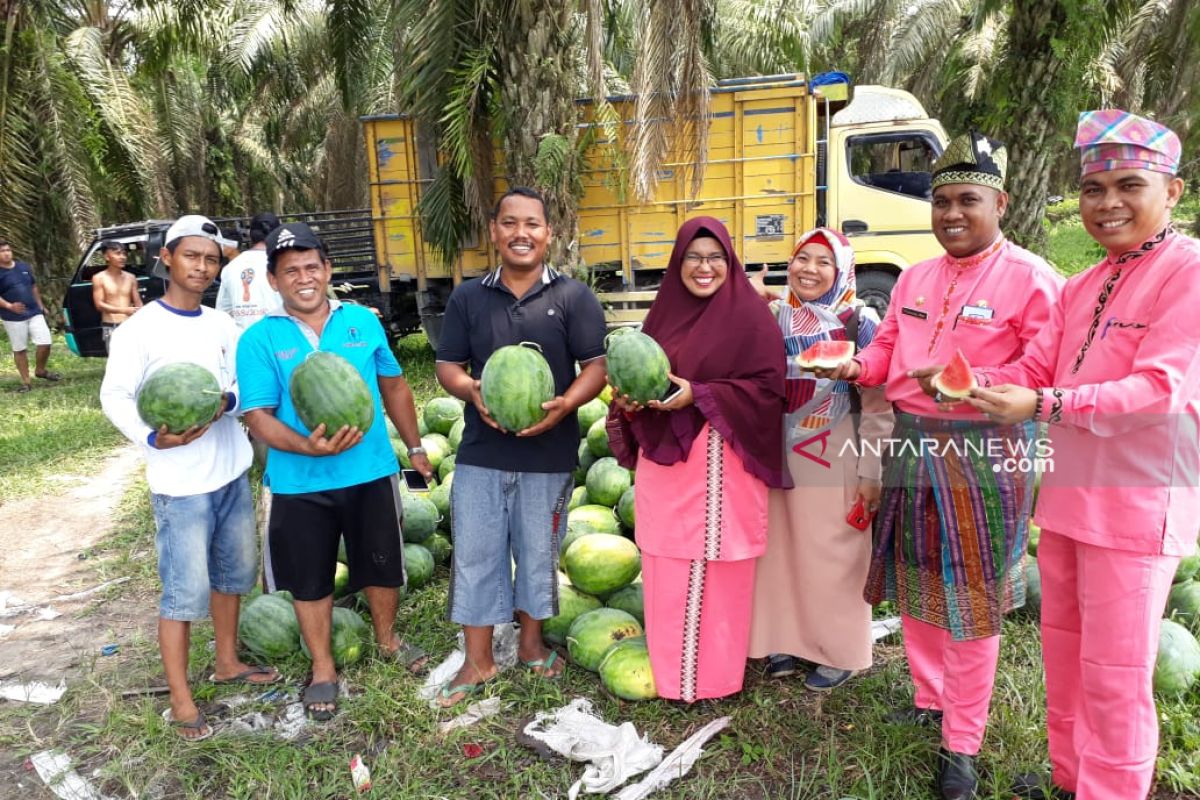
<point x="702" y="523"/>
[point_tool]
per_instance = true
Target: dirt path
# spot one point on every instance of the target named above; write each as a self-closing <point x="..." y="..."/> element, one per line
<point x="41" y="539"/>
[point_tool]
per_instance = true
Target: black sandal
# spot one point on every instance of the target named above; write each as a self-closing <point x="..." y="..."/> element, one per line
<point x="320" y="694"/>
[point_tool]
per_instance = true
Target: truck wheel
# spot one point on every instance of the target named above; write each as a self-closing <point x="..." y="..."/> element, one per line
<point x="875" y="289"/>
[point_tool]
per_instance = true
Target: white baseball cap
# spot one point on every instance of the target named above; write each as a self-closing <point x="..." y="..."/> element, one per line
<point x="196" y="225"/>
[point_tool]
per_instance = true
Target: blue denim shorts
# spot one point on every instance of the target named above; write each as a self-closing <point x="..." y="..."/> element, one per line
<point x="205" y="542"/>
<point x="501" y="518"/>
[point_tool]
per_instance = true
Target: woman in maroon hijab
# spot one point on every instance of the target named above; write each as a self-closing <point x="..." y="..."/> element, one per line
<point x="704" y="462"/>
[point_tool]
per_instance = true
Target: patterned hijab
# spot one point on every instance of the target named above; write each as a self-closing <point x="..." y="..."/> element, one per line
<point x="823" y="403"/>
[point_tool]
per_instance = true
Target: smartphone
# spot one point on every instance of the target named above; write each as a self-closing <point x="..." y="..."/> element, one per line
<point x="414" y="480"/>
<point x="673" y="391"/>
<point x="859" y="517"/>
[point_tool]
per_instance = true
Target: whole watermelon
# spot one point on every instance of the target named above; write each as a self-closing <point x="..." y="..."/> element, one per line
<point x="1188" y="567"/>
<point x="326" y="388"/>
<point x="456" y="433"/>
<point x="181" y="396"/>
<point x="446" y="467"/>
<point x="607" y="481"/>
<point x="1183" y="604"/>
<point x="420" y="517"/>
<point x="516" y="380"/>
<point x="437" y="449"/>
<point x="439" y="547"/>
<point x="1178" y="665"/>
<point x="441" y="413"/>
<point x="630" y="600"/>
<point x="593" y="517"/>
<point x="341" y="580"/>
<point x="572" y="535"/>
<point x="593" y="632"/>
<point x="268" y="627"/>
<point x="1033" y="589"/>
<point x="571" y="603"/>
<point x="349" y="637"/>
<point x="637" y="366"/>
<point x="586" y="459"/>
<point x="597" y="439"/>
<point x="440" y="497"/>
<point x="418" y="565"/>
<point x="601" y="564"/>
<point x="579" y="498"/>
<point x="625" y="508"/>
<point x="589" y="412"/>
<point x="606" y="395"/>
<point x="625" y="670"/>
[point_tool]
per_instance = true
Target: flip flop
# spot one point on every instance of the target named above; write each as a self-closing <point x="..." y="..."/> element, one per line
<point x="324" y="693"/>
<point x="50" y="376"/>
<point x="468" y="690"/>
<point x="244" y="677"/>
<point x="411" y="656"/>
<point x="542" y="666"/>
<point x="198" y="724"/>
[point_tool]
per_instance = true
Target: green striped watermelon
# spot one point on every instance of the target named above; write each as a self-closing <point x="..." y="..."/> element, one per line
<point x="579" y="497"/>
<point x="594" y="632"/>
<point x="418" y="565"/>
<point x="637" y="366"/>
<point x="630" y="600"/>
<point x="515" y="382"/>
<point x="593" y="517"/>
<point x="571" y="603"/>
<point x="327" y="389"/>
<point x="625" y="508"/>
<point x="625" y="670"/>
<point x="586" y="459"/>
<point x="1178" y="666"/>
<point x="589" y="412"/>
<point x="607" y="481"/>
<point x="597" y="439"/>
<point x="439" y="547"/>
<point x="268" y="627"/>
<point x="441" y="413"/>
<point x="602" y="563"/>
<point x="420" y="517"/>
<point x="349" y="637"/>
<point x="181" y="396"/>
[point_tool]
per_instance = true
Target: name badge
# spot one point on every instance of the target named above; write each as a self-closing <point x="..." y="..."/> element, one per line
<point x="978" y="312"/>
<point x="914" y="312"/>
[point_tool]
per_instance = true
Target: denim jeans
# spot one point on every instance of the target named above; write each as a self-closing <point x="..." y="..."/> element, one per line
<point x="205" y="542"/>
<point x="507" y="527"/>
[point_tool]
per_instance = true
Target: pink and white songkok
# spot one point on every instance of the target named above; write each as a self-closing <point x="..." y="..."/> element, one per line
<point x="1114" y="139"/>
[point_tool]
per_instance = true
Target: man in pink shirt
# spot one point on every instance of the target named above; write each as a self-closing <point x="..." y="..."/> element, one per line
<point x="1116" y="374"/>
<point x="953" y="524"/>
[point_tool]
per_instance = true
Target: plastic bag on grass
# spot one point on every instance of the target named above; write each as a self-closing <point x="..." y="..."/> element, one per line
<point x="504" y="651"/>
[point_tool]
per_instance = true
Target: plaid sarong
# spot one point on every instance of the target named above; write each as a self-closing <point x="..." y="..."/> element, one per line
<point x="953" y="524"/>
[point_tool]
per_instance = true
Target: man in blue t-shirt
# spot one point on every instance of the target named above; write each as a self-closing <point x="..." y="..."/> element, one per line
<point x="327" y="484"/>
<point x="21" y="311"/>
<point x="511" y="488"/>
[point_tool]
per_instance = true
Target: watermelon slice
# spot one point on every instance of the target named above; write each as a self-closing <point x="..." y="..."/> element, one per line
<point x="956" y="380"/>
<point x="826" y="354"/>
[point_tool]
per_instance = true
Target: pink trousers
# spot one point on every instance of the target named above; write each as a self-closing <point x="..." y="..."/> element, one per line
<point x="953" y="677"/>
<point x="1101" y="614"/>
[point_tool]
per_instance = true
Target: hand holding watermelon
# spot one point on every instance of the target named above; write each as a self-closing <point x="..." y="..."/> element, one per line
<point x="555" y="410"/>
<point x="477" y="401"/>
<point x="680" y="399"/>
<point x="345" y="438"/>
<point x="165" y="440"/>
<point x="845" y="371"/>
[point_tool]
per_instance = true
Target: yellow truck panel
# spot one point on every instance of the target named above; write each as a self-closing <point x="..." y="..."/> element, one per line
<point x="762" y="179"/>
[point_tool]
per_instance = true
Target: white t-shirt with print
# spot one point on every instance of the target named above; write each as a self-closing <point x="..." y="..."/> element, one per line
<point x="245" y="293"/>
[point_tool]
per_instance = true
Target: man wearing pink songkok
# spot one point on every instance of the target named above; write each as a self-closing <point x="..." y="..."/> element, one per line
<point x="1116" y="374"/>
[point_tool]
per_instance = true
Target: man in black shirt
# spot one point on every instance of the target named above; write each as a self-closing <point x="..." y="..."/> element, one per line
<point x="511" y="488"/>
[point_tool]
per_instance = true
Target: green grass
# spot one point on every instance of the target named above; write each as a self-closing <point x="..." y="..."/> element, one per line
<point x="783" y="742"/>
<point x="56" y="428"/>
<point x="1070" y="249"/>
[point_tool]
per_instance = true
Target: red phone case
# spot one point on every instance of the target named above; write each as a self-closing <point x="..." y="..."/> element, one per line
<point x="859" y="517"/>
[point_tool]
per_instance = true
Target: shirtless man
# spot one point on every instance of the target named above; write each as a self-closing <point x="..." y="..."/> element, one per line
<point x="114" y="291"/>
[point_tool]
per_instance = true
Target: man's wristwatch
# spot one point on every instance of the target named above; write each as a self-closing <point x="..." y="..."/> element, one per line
<point x="416" y="451"/>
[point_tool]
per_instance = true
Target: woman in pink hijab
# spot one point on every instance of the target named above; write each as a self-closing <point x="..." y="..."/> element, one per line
<point x="704" y="462"/>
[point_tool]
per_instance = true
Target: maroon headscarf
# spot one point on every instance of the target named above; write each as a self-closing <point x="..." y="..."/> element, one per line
<point x="729" y="347"/>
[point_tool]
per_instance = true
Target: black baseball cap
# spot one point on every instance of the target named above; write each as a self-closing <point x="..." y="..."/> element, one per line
<point x="292" y="236"/>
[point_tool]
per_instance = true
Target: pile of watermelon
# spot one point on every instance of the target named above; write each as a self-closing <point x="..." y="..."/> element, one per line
<point x="1178" y="667"/>
<point x="268" y="626"/>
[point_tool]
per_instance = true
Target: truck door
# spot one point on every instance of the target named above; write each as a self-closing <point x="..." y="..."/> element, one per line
<point x="81" y="317"/>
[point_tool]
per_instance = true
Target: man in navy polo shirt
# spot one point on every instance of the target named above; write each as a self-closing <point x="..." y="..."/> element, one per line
<point x="21" y="312"/>
<point x="326" y="484"/>
<point x="511" y="488"/>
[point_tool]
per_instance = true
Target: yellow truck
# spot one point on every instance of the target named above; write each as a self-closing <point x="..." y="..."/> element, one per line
<point x="785" y="154"/>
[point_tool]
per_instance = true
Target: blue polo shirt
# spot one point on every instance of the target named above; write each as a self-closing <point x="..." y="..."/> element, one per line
<point x="272" y="348"/>
<point x="560" y="315"/>
<point x="16" y="286"/>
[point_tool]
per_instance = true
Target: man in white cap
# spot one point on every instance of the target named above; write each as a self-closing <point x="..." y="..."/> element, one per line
<point x="203" y="509"/>
<point x="1116" y="374"/>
